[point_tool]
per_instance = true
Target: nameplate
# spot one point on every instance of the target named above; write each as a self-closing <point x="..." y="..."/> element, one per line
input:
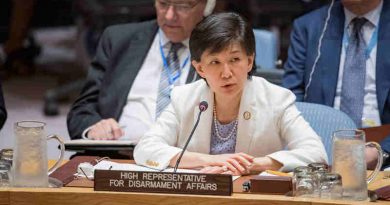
<point x="163" y="182"/>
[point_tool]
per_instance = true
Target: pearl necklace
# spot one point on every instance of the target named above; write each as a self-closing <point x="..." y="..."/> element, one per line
<point x="216" y="128"/>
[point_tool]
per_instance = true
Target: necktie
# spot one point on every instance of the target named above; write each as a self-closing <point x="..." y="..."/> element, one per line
<point x="167" y="76"/>
<point x="354" y="74"/>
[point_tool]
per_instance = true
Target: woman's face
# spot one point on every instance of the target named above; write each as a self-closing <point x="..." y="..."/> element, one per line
<point x="226" y="72"/>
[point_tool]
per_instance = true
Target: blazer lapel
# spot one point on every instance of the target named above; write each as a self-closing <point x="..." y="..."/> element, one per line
<point x="331" y="52"/>
<point x="382" y="59"/>
<point x="202" y="134"/>
<point x="246" y="118"/>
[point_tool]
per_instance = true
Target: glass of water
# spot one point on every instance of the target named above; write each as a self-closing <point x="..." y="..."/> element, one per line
<point x="6" y="155"/>
<point x="349" y="161"/>
<point x="331" y="186"/>
<point x="319" y="170"/>
<point x="305" y="184"/>
<point x="297" y="171"/>
<point x="5" y="168"/>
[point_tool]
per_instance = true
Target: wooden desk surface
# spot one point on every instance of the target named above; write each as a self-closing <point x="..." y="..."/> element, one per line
<point x="377" y="134"/>
<point x="86" y="196"/>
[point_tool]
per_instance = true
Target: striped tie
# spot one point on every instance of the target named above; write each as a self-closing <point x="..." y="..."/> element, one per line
<point x="164" y="88"/>
<point x="354" y="74"/>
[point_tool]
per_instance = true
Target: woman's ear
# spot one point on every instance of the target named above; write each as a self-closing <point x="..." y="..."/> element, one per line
<point x="251" y="59"/>
<point x="198" y="67"/>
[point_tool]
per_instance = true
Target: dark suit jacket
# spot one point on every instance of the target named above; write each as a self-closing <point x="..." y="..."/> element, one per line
<point x="119" y="56"/>
<point x="3" y="111"/>
<point x="303" y="51"/>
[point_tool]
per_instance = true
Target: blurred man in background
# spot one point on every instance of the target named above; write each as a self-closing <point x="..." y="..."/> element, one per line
<point x="133" y="72"/>
<point x="352" y="70"/>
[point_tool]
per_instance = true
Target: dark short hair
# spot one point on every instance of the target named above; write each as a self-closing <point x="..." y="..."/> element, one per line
<point x="217" y="31"/>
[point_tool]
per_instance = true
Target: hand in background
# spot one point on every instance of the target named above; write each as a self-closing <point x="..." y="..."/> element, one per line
<point x="107" y="129"/>
<point x="371" y="157"/>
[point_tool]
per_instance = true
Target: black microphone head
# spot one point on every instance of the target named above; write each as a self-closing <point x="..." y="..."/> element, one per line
<point x="203" y="106"/>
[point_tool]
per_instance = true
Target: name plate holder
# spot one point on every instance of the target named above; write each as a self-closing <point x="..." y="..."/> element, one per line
<point x="163" y="182"/>
<point x="271" y="184"/>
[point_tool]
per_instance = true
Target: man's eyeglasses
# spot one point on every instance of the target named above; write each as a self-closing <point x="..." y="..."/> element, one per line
<point x="180" y="7"/>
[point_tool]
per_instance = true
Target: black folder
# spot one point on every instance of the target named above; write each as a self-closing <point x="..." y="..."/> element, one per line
<point x="86" y="144"/>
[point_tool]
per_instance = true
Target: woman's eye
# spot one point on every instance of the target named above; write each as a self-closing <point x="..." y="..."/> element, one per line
<point x="214" y="62"/>
<point x="235" y="59"/>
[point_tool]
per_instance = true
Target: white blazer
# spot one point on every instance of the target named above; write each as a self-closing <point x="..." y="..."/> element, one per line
<point x="275" y="129"/>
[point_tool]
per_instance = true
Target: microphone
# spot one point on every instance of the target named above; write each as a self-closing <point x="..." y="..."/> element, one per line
<point x="202" y="107"/>
<point x="318" y="49"/>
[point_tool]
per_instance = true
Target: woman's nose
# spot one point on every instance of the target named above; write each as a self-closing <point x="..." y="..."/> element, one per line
<point x="226" y="72"/>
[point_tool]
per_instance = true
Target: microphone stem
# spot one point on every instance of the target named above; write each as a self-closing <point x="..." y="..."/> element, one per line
<point x="188" y="141"/>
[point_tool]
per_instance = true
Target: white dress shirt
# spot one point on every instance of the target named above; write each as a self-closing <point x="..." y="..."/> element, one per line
<point x="139" y="113"/>
<point x="371" y="115"/>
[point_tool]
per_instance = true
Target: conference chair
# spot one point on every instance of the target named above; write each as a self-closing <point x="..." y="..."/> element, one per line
<point x="266" y="49"/>
<point x="266" y="55"/>
<point x="325" y="120"/>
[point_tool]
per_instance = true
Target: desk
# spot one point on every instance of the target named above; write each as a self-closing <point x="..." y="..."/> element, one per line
<point x="377" y="134"/>
<point x="86" y="196"/>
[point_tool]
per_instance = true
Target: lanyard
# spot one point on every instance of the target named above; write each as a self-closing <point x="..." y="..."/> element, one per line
<point x="371" y="44"/>
<point x="171" y="79"/>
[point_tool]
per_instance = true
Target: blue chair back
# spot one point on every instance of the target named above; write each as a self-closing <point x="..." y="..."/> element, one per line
<point x="266" y="48"/>
<point x="325" y="120"/>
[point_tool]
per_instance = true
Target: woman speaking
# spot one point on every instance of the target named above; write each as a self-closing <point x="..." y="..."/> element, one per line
<point x="251" y="125"/>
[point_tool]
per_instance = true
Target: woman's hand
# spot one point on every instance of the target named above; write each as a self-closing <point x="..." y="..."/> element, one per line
<point x="263" y="163"/>
<point x="229" y="167"/>
<point x="234" y="164"/>
<point x="237" y="164"/>
<point x="218" y="170"/>
<point x="215" y="170"/>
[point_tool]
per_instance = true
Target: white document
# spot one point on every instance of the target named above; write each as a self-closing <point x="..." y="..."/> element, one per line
<point x="268" y="173"/>
<point x="108" y="165"/>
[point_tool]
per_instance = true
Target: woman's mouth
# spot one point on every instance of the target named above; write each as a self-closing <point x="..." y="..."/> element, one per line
<point x="228" y="85"/>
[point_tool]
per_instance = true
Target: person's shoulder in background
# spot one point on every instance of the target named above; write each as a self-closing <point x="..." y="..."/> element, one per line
<point x="123" y="32"/>
<point x="315" y="18"/>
